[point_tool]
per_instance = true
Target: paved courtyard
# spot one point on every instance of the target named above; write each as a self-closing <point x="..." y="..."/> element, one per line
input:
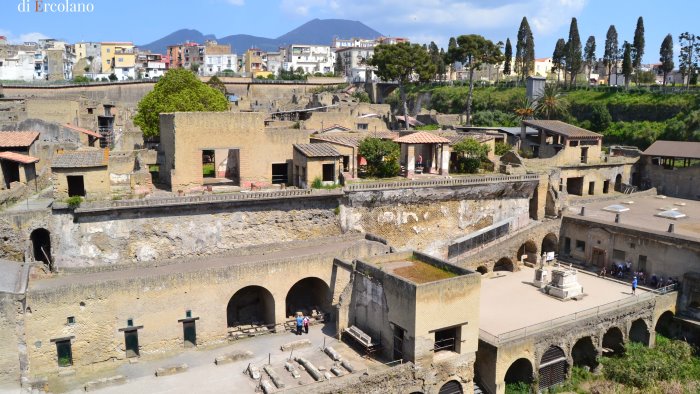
<point x="510" y="302"/>
<point x="203" y="376"/>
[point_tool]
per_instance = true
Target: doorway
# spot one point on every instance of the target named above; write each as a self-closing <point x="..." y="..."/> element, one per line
<point x="279" y="174"/>
<point x="131" y="342"/>
<point x="598" y="257"/>
<point x="189" y="331"/>
<point x="329" y="172"/>
<point x="41" y="245"/>
<point x="10" y="172"/>
<point x="76" y="185"/>
<point x="398" y="343"/>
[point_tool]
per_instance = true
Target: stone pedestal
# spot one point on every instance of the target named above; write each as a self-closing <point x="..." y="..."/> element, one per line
<point x="564" y="284"/>
<point x="541" y="278"/>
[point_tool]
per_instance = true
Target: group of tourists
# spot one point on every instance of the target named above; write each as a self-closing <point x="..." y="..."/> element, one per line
<point x="302" y="323"/>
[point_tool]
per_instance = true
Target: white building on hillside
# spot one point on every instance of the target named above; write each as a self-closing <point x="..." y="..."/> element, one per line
<point x="310" y="58"/>
<point x="354" y="63"/>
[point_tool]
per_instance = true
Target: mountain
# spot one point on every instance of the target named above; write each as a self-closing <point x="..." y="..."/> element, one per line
<point x="317" y="31"/>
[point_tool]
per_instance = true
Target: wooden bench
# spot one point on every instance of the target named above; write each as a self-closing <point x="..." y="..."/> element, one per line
<point x="362" y="339"/>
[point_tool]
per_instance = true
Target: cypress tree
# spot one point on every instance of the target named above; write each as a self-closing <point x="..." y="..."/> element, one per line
<point x="611" y="50"/>
<point x="638" y="44"/>
<point x="574" y="55"/>
<point x="524" y="50"/>
<point x="507" y="67"/>
<point x="627" y="65"/>
<point x="589" y="55"/>
<point x="558" y="57"/>
<point x="666" y="56"/>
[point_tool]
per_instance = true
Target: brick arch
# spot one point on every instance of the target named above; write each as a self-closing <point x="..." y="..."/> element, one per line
<point x="250" y="305"/>
<point x="528" y="248"/>
<point x="613" y="340"/>
<point x="307" y="294"/>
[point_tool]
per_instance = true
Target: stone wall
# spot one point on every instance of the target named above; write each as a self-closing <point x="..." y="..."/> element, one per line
<point x="16" y="230"/>
<point x="11" y="327"/>
<point x="428" y="219"/>
<point x="125" y="237"/>
<point x="156" y="297"/>
<point x="676" y="182"/>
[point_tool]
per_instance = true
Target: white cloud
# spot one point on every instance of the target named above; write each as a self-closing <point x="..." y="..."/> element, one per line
<point x="236" y="2"/>
<point x="441" y="19"/>
<point x="22" y="38"/>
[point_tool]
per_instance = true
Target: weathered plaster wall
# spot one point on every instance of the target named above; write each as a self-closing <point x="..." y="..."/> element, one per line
<point x="11" y="320"/>
<point x="138" y="236"/>
<point x="15" y="232"/>
<point x="428" y="219"/>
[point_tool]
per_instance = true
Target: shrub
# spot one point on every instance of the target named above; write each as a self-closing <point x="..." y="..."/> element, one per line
<point x="74" y="201"/>
<point x="317" y="183"/>
<point x="600" y="117"/>
<point x="428" y="127"/>
<point x="494" y="118"/>
<point x="362" y="97"/>
<point x="113" y="77"/>
<point x="81" y="79"/>
<point x="502" y="148"/>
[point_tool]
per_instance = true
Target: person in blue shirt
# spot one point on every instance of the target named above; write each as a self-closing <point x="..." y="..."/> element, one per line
<point x="634" y="285"/>
<point x="300" y="323"/>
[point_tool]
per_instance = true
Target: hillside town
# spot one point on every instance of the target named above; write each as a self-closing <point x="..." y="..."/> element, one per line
<point x="374" y="215"/>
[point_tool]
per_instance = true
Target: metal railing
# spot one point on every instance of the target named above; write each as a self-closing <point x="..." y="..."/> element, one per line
<point x="538" y="328"/>
<point x="462" y="181"/>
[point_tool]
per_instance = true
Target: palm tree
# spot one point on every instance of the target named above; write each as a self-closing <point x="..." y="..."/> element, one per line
<point x="525" y="109"/>
<point x="551" y="103"/>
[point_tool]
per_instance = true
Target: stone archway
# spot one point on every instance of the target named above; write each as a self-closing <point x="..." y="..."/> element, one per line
<point x="504" y="264"/>
<point x="553" y="367"/>
<point x="41" y="246"/>
<point x="451" y="387"/>
<point x="550" y="243"/>
<point x="520" y="372"/>
<point x="666" y="324"/>
<point x="251" y="305"/>
<point x="639" y="332"/>
<point x="584" y="353"/>
<point x="613" y="342"/>
<point x="529" y="249"/>
<point x="307" y="295"/>
<point x="482" y="270"/>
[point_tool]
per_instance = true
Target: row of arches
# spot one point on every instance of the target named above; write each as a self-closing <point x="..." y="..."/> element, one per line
<point x="550" y="243"/>
<point x="256" y="305"/>
<point x="554" y="365"/>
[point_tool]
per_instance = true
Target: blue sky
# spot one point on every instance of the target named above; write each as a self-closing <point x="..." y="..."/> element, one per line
<point x="143" y="21"/>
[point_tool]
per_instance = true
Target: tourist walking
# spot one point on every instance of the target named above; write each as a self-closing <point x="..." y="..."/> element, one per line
<point x="306" y="324"/>
<point x="634" y="285"/>
<point x="300" y="323"/>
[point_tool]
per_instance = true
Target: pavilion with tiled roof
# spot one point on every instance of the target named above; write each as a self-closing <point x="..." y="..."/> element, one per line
<point x="423" y="152"/>
<point x="16" y="164"/>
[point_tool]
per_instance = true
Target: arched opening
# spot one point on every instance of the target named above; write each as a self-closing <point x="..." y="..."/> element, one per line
<point x="482" y="270"/>
<point x="529" y="249"/>
<point x="519" y="374"/>
<point x="251" y="305"/>
<point x="41" y="245"/>
<point x="613" y="342"/>
<point x="553" y="367"/>
<point x="618" y="183"/>
<point x="584" y="353"/>
<point x="639" y="332"/>
<point x="451" y="387"/>
<point x="308" y="295"/>
<point x="550" y="243"/>
<point x="666" y="325"/>
<point x="504" y="264"/>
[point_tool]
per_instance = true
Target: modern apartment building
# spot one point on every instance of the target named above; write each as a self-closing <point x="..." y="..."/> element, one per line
<point x="310" y="58"/>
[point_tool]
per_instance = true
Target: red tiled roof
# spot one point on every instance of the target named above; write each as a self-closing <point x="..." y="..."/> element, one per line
<point x="84" y="131"/>
<point x="17" y="139"/>
<point x="422" y="137"/>
<point x="18" y="157"/>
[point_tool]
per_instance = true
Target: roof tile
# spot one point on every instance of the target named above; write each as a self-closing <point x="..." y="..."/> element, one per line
<point x="18" y="157"/>
<point x="422" y="137"/>
<point x="317" y="150"/>
<point x="87" y="158"/>
<point x="565" y="129"/>
<point x="17" y="139"/>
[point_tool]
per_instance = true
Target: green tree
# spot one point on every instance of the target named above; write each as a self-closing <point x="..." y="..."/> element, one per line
<point x="507" y="67"/>
<point x="399" y="63"/>
<point x="600" y="117"/>
<point x="382" y="157"/>
<point x="217" y="84"/>
<point x="494" y="118"/>
<point x="339" y="69"/>
<point x="589" y="55"/>
<point x="502" y="148"/>
<point x="178" y="91"/>
<point x="688" y="58"/>
<point x="551" y="104"/>
<point x="524" y="50"/>
<point x="666" y="56"/>
<point x="638" y="45"/>
<point x="470" y="153"/>
<point x="627" y="63"/>
<point x="574" y="54"/>
<point x="474" y="51"/>
<point x="437" y="59"/>
<point x="558" y="57"/>
<point x="612" y="50"/>
<point x="113" y="77"/>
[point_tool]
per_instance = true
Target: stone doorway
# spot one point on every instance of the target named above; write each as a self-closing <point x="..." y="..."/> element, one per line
<point x="41" y="246"/>
<point x="250" y="305"/>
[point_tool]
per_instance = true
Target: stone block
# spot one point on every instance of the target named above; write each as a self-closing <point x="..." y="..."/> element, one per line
<point x="171" y="370"/>
<point x="105" y="382"/>
<point x="253" y="371"/>
<point x="332" y="353"/>
<point x="274" y="376"/>
<point x="295" y="345"/>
